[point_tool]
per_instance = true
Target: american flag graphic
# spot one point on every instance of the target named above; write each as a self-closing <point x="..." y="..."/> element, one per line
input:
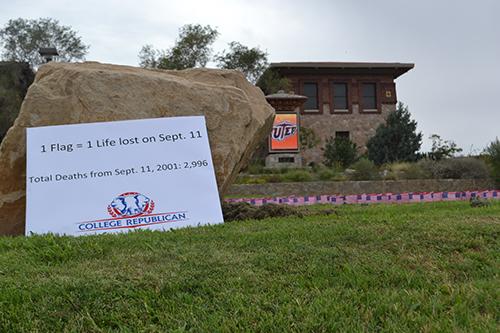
<point x="405" y="197"/>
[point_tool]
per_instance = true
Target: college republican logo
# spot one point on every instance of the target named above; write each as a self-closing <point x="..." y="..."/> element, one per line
<point x="131" y="204"/>
<point x="283" y="130"/>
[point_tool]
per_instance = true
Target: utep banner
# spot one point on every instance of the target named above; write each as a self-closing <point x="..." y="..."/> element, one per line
<point x="285" y="134"/>
<point x="118" y="176"/>
<point x="406" y="197"/>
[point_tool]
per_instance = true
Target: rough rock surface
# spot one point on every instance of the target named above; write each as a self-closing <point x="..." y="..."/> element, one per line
<point x="237" y="114"/>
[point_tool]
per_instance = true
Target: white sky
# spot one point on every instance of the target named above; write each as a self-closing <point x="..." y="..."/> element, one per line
<point x="455" y="44"/>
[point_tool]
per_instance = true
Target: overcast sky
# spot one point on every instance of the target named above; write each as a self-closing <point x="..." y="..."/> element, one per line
<point x="454" y="89"/>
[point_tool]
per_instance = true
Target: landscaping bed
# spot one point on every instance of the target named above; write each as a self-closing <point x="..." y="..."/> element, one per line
<point x="358" y="187"/>
<point x="365" y="170"/>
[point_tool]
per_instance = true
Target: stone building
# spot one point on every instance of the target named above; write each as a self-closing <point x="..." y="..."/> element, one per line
<point x="344" y="99"/>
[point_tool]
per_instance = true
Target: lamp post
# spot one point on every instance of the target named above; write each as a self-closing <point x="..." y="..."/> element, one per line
<point x="48" y="53"/>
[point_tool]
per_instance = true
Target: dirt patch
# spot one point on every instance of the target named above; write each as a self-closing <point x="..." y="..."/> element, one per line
<point x="238" y="211"/>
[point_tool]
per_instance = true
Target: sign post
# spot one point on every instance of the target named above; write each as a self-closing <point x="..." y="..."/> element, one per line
<point x="285" y="133"/>
<point x="118" y="176"/>
<point x="284" y="143"/>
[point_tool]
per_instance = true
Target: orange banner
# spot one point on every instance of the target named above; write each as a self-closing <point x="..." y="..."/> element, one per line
<point x="285" y="133"/>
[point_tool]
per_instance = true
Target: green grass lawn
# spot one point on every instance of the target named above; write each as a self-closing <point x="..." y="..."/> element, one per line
<point x="395" y="268"/>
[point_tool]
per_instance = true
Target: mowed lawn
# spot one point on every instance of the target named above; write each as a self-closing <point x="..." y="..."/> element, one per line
<point x="430" y="267"/>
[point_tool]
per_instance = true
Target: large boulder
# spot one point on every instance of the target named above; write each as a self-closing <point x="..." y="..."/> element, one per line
<point x="237" y="114"/>
<point x="15" y="78"/>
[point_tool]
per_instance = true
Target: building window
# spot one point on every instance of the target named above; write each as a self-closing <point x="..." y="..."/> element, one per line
<point x="340" y="96"/>
<point x="342" y="135"/>
<point x="311" y="92"/>
<point x="369" y="96"/>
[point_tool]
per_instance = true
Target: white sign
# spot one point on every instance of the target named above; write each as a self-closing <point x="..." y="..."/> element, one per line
<point x="120" y="176"/>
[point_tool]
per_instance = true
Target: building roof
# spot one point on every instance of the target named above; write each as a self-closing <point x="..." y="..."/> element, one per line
<point x="395" y="69"/>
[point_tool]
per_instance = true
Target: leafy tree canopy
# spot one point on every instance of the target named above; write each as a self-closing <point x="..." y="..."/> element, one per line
<point x="150" y="57"/>
<point x="21" y="40"/>
<point x="396" y="140"/>
<point x="191" y="49"/>
<point x="442" y="148"/>
<point x="252" y="62"/>
<point x="493" y="152"/>
<point x="271" y="82"/>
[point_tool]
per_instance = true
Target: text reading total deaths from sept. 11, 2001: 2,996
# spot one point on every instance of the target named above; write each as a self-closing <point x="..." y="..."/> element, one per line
<point x="143" y="169"/>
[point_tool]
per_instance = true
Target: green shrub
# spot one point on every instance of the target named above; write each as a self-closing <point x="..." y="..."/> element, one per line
<point x="255" y="169"/>
<point x="315" y="167"/>
<point x="250" y="180"/>
<point x="394" y="171"/>
<point x="274" y="171"/>
<point x="479" y="202"/>
<point x="415" y="171"/>
<point x="274" y="178"/>
<point x="339" y="152"/>
<point x="326" y="174"/>
<point x="269" y="171"/>
<point x="339" y="177"/>
<point x="430" y="166"/>
<point x="405" y="170"/>
<point x="456" y="168"/>
<point x="493" y="152"/>
<point x="395" y="140"/>
<point x="285" y="170"/>
<point x="388" y="175"/>
<point x="364" y="169"/>
<point x="297" y="176"/>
